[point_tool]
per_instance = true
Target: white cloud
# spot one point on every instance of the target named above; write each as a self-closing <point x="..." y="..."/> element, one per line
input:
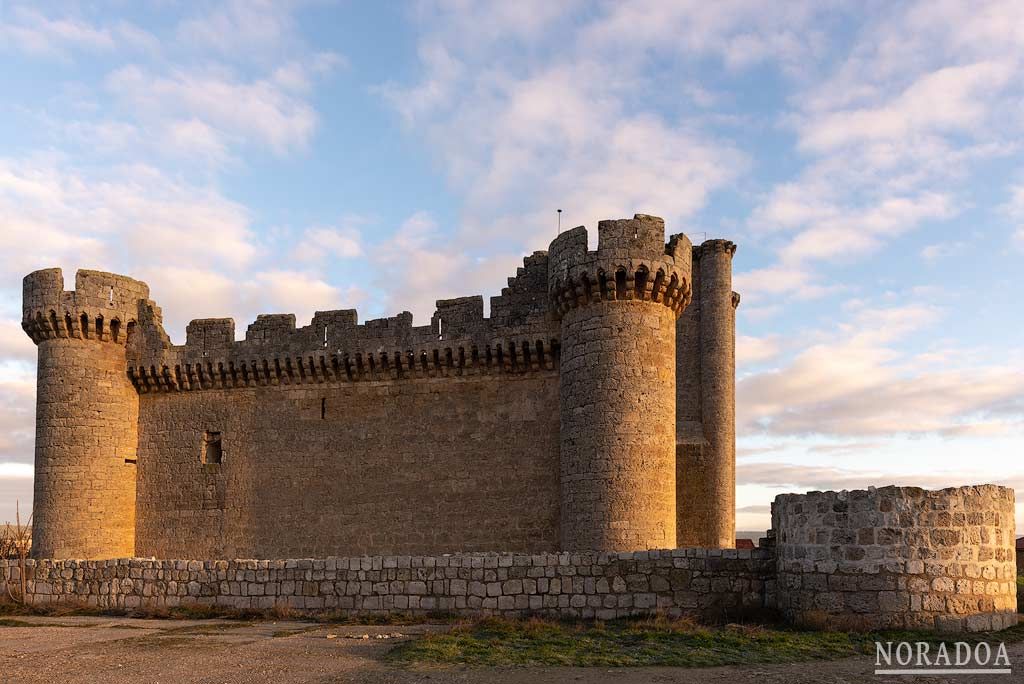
<point x="945" y="100"/>
<point x="258" y="111"/>
<point x="942" y="250"/>
<point x="127" y="215"/>
<point x="30" y="31"/>
<point x="194" y="247"/>
<point x="858" y="383"/>
<point x="520" y="137"/>
<point x="239" y="28"/>
<point x="809" y="477"/>
<point x="1014" y="209"/>
<point x="343" y="242"/>
<point x="754" y="350"/>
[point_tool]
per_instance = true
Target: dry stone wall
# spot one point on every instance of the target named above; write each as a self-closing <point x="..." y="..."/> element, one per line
<point x="709" y="584"/>
<point x="897" y="557"/>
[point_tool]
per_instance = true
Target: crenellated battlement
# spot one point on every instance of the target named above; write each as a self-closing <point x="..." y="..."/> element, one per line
<point x="102" y="307"/>
<point x="632" y="262"/>
<point x="714" y="246"/>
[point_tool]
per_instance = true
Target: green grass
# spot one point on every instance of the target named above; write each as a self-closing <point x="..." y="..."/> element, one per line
<point x="656" y="641"/>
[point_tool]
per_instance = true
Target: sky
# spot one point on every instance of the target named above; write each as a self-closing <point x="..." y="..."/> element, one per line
<point x="256" y="157"/>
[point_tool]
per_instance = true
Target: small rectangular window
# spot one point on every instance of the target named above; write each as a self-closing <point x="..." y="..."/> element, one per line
<point x="212" y="449"/>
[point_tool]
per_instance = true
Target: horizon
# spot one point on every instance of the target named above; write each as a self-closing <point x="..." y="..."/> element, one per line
<point x="272" y="157"/>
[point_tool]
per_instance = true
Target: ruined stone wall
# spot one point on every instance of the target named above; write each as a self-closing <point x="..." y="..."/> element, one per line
<point x="426" y="465"/>
<point x="708" y="584"/>
<point x="897" y="557"/>
<point x="618" y="308"/>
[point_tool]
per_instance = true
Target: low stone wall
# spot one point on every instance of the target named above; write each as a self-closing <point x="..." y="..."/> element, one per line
<point x="897" y="557"/>
<point x="704" y="583"/>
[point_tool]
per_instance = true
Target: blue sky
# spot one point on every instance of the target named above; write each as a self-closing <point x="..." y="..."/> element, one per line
<point x="249" y="157"/>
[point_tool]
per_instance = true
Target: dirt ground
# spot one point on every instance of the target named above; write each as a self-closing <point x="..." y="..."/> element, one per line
<point x="116" y="650"/>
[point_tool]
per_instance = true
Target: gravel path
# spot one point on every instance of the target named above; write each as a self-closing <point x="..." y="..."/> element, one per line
<point x="122" y="650"/>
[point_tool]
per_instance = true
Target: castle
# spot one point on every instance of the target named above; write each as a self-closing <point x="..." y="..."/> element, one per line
<point x="593" y="409"/>
<point x="573" y="455"/>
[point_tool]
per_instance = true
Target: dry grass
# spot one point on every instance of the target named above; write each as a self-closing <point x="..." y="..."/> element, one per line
<point x="644" y="642"/>
<point x="15" y="543"/>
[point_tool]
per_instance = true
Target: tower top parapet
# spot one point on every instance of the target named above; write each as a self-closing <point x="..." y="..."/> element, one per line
<point x="100" y="307"/>
<point x="713" y="246"/>
<point x="632" y="262"/>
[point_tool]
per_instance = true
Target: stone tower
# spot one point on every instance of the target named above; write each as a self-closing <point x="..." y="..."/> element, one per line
<point x="706" y="395"/>
<point x="618" y="308"/>
<point x="86" y="413"/>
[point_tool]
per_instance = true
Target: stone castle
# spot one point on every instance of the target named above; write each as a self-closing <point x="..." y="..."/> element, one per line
<point x="594" y="409"/>
<point x="573" y="455"/>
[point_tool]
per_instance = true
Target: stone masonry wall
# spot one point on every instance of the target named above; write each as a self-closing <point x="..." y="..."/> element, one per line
<point x="428" y="465"/>
<point x="710" y="584"/>
<point x="897" y="557"/>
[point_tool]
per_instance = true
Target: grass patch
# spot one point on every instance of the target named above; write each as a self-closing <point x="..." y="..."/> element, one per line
<point x="646" y="642"/>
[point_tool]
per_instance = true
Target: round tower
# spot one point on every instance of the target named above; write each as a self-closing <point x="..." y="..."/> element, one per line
<point x="86" y="414"/>
<point x="707" y="464"/>
<point x="618" y="308"/>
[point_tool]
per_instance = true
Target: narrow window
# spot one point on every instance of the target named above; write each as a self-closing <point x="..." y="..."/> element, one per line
<point x="212" y="449"/>
<point x="440" y="334"/>
<point x="111" y="296"/>
<point x="323" y="408"/>
<point x="325" y="337"/>
<point x="640" y="283"/>
<point x="620" y="284"/>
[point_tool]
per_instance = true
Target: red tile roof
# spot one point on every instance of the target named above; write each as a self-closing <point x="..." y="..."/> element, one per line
<point x="749" y="543"/>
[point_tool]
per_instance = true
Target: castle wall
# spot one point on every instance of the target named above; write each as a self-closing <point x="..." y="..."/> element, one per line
<point x="430" y="465"/>
<point x="706" y="584"/>
<point x="897" y="557"/>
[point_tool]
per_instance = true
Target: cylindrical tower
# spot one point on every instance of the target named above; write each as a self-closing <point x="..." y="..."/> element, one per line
<point x="618" y="308"/>
<point x="691" y="500"/>
<point x="707" y="467"/>
<point x="86" y="414"/>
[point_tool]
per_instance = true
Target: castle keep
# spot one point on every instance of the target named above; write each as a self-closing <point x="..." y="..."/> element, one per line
<point x="592" y="410"/>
